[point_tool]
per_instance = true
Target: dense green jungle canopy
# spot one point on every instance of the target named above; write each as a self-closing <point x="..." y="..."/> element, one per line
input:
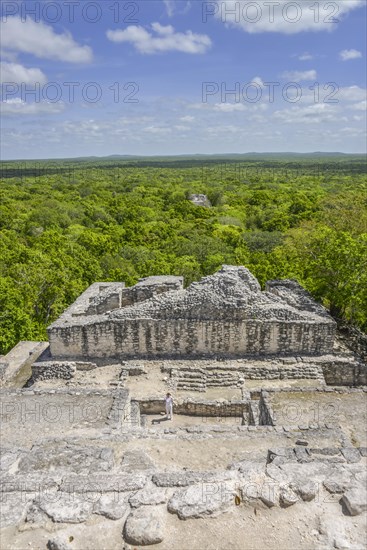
<point x="66" y="224"/>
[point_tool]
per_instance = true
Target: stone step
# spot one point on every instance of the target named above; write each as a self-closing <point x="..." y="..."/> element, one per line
<point x="190" y="383"/>
<point x="184" y="370"/>
<point x="191" y="377"/>
<point x="218" y="384"/>
<point x="192" y="389"/>
<point x="191" y="386"/>
<point x="191" y="380"/>
<point x="188" y="374"/>
<point x="222" y="375"/>
<point x="188" y="387"/>
<point x="222" y="378"/>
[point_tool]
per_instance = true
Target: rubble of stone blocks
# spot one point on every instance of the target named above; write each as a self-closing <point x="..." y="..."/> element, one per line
<point x="70" y="481"/>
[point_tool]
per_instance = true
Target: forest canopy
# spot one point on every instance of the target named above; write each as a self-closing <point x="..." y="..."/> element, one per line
<point x="67" y="224"/>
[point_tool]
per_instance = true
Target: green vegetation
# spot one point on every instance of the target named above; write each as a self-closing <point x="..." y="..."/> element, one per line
<point x="66" y="224"/>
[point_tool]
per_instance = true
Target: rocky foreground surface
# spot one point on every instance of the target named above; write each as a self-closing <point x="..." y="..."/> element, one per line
<point x="55" y="486"/>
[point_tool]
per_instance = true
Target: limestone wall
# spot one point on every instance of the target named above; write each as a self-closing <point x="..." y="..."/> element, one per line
<point x="346" y="374"/>
<point x="196" y="407"/>
<point x="266" y="416"/>
<point x="149" y="287"/>
<point x="49" y="370"/>
<point x="107" y="300"/>
<point x="20" y="358"/>
<point x="355" y="339"/>
<point x="172" y="338"/>
<point x="102" y="298"/>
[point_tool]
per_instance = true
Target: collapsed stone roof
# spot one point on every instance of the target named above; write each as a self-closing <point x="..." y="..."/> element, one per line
<point x="231" y="293"/>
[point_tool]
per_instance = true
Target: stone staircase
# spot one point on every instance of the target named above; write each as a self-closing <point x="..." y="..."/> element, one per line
<point x="192" y="379"/>
<point x="198" y="379"/>
<point x="217" y="378"/>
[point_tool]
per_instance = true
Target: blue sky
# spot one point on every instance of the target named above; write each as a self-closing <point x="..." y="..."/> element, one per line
<point x="155" y="77"/>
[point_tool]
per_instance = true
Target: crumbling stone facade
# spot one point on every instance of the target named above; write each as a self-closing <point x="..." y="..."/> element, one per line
<point x="225" y="314"/>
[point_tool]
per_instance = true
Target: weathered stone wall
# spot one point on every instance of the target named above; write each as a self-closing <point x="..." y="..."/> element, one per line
<point x="97" y="299"/>
<point x="355" y="339"/>
<point x="150" y="337"/>
<point x="254" y="413"/>
<point x="108" y="300"/>
<point x="108" y="297"/>
<point x="65" y="370"/>
<point x="266" y="416"/>
<point x="149" y="287"/>
<point x="3" y="367"/>
<point x="195" y="407"/>
<point x="20" y="358"/>
<point x="299" y="371"/>
<point x="345" y="374"/>
<point x="101" y="298"/>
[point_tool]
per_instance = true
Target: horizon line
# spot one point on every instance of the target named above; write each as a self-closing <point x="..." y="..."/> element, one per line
<point x="168" y="156"/>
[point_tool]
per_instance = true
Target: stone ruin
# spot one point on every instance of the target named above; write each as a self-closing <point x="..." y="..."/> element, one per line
<point x="267" y="446"/>
<point x="224" y="314"/>
<point x="200" y="200"/>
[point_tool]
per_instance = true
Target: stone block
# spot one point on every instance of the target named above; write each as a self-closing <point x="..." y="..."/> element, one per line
<point x="202" y="500"/>
<point x="355" y="500"/>
<point x="144" y="526"/>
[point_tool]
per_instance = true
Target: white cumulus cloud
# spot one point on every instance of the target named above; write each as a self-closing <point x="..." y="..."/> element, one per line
<point x="299" y="76"/>
<point x="162" y="39"/>
<point x="39" y="39"/>
<point x="312" y="114"/>
<point x="187" y="118"/>
<point x="16" y="106"/>
<point x="17" y="74"/>
<point x="352" y="93"/>
<point x="281" y="16"/>
<point x="347" y="55"/>
<point x="361" y="106"/>
<point x="229" y="107"/>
